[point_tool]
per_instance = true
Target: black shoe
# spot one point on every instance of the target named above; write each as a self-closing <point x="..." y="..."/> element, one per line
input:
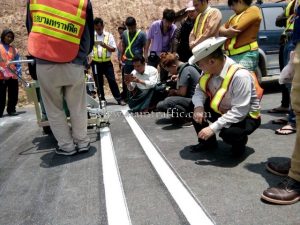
<point x="13" y="114"/>
<point x="121" y="102"/>
<point x="203" y="146"/>
<point x="63" y="152"/>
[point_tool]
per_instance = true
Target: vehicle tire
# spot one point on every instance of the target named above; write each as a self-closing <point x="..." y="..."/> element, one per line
<point x="47" y="130"/>
<point x="258" y="74"/>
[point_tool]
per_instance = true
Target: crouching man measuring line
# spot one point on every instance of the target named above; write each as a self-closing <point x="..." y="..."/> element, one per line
<point x="228" y="94"/>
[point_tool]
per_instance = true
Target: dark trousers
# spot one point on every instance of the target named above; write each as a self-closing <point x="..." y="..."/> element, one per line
<point x="285" y="96"/>
<point x="235" y="135"/>
<point x="107" y="69"/>
<point x="127" y="69"/>
<point x="153" y="60"/>
<point x="12" y="88"/>
<point x="178" y="106"/>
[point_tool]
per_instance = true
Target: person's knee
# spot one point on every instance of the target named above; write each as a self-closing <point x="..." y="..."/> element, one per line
<point x="232" y="135"/>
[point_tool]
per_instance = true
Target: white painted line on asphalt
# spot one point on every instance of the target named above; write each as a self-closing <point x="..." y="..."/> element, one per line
<point x="116" y="207"/>
<point x="184" y="199"/>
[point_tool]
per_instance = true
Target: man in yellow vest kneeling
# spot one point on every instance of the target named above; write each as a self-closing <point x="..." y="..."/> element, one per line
<point x="226" y="96"/>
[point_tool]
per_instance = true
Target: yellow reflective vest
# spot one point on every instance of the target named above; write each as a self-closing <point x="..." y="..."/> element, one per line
<point x="103" y="57"/>
<point x="290" y="13"/>
<point x="215" y="101"/>
<point x="195" y="28"/>
<point x="128" y="50"/>
<point x="230" y="49"/>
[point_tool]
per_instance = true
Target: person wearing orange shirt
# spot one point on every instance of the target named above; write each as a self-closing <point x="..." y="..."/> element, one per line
<point x="241" y="30"/>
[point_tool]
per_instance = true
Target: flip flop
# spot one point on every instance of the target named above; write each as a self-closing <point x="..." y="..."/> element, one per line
<point x="281" y="121"/>
<point x="279" y="131"/>
<point x="278" y="110"/>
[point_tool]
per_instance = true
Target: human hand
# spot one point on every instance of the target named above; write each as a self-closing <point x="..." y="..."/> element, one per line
<point x="205" y="133"/>
<point x="232" y="32"/>
<point x="174" y="77"/>
<point x="198" y="115"/>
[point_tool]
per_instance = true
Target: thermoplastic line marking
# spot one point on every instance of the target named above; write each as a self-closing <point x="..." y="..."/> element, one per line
<point x="116" y="207"/>
<point x="185" y="200"/>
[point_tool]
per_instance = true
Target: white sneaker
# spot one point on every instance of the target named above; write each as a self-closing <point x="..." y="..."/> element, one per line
<point x="63" y="152"/>
<point x="85" y="148"/>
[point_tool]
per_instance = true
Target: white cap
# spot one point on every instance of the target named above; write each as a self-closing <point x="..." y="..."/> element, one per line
<point x="190" y="6"/>
<point x="205" y="48"/>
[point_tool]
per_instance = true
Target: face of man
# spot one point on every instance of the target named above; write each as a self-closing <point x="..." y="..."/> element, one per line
<point x="192" y="14"/>
<point x="8" y="38"/>
<point x="99" y="28"/>
<point x="131" y="29"/>
<point x="139" y="67"/>
<point x="200" y="5"/>
<point x="171" y="69"/>
<point x="206" y="65"/>
<point x="167" y="24"/>
<point x="120" y="31"/>
<point x="237" y="7"/>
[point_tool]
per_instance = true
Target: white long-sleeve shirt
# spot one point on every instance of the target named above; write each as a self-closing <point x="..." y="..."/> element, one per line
<point x="150" y="77"/>
<point x="239" y="100"/>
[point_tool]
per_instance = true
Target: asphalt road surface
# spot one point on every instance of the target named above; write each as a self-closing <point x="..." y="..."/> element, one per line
<point x="139" y="171"/>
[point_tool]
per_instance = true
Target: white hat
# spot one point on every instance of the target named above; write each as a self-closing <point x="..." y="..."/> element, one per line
<point x="190" y="6"/>
<point x="205" y="48"/>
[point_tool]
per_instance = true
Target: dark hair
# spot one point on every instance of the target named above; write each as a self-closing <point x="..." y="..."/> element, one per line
<point x="169" y="15"/>
<point x="138" y="58"/>
<point x="203" y="1"/>
<point x="98" y="20"/>
<point x="130" y="21"/>
<point x="247" y="2"/>
<point x="5" y="32"/>
<point x="217" y="54"/>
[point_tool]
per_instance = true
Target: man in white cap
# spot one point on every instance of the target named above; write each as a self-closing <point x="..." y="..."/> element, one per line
<point x="226" y="96"/>
<point x="183" y="33"/>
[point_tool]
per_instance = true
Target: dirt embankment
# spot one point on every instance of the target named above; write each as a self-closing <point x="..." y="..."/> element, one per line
<point x="113" y="12"/>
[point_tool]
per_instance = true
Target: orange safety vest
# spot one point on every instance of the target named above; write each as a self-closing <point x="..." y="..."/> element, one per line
<point x="215" y="101"/>
<point x="229" y="46"/>
<point x="57" y="27"/>
<point x="5" y="57"/>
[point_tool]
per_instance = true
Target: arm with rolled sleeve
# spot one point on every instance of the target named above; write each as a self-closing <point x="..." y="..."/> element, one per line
<point x="153" y="77"/>
<point x="199" y="97"/>
<point x="240" y="89"/>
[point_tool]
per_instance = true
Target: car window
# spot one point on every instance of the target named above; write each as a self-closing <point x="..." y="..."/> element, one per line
<point x="226" y="14"/>
<point x="269" y="15"/>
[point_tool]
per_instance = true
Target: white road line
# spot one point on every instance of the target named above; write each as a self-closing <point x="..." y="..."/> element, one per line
<point x="116" y="207"/>
<point x="184" y="199"/>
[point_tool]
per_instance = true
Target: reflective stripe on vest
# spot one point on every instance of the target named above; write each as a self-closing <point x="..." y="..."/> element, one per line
<point x="5" y="57"/>
<point x="130" y="42"/>
<point x="290" y="13"/>
<point x="202" y="25"/>
<point x="104" y="57"/>
<point x="215" y="101"/>
<point x="56" y="29"/>
<point x="235" y="51"/>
